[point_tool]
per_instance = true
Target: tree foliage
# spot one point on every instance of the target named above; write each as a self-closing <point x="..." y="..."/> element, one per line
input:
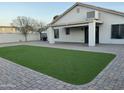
<point x="26" y="25"/>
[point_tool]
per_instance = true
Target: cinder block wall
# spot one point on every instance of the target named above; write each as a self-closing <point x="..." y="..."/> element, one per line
<point x="17" y="37"/>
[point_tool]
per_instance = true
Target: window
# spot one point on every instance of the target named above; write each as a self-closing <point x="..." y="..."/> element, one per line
<point x="67" y="31"/>
<point x="122" y="31"/>
<point x="78" y="10"/>
<point x="117" y="31"/>
<point x="56" y="33"/>
<point x="91" y="14"/>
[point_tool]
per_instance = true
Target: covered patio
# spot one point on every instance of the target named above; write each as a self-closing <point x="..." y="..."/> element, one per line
<point x="89" y="27"/>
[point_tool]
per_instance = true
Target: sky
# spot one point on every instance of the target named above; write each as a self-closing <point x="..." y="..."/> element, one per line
<point x="43" y="12"/>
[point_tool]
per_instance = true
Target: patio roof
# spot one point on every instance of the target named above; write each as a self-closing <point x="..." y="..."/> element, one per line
<point x="84" y="23"/>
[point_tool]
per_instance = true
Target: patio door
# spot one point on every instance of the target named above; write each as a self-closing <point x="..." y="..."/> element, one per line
<point x="97" y="34"/>
<point x="86" y="35"/>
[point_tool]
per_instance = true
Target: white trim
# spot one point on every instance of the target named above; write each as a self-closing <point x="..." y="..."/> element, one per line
<point x="86" y="24"/>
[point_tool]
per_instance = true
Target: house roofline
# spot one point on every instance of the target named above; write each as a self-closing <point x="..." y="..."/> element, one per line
<point x="89" y="6"/>
<point x="69" y="9"/>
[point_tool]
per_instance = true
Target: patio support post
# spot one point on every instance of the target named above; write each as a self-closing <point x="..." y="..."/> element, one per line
<point x="92" y="30"/>
<point x="51" y="35"/>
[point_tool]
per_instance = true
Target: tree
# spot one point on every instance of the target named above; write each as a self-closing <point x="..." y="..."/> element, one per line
<point x="25" y="25"/>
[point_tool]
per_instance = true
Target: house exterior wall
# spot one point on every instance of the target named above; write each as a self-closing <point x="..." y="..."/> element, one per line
<point x="17" y="37"/>
<point x="73" y="16"/>
<point x="105" y="28"/>
<point x="76" y="35"/>
<point x="7" y="29"/>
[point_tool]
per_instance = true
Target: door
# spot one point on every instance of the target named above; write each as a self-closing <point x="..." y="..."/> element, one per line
<point x="97" y="35"/>
<point x="86" y="35"/>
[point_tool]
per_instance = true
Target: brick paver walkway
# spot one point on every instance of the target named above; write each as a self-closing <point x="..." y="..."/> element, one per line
<point x="14" y="76"/>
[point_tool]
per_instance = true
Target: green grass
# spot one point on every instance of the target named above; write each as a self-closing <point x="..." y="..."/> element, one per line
<point x="75" y="67"/>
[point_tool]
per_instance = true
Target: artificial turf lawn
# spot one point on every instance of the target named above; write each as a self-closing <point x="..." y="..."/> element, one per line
<point x="75" y="67"/>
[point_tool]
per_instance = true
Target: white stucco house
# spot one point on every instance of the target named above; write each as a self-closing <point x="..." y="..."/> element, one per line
<point x="83" y="23"/>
